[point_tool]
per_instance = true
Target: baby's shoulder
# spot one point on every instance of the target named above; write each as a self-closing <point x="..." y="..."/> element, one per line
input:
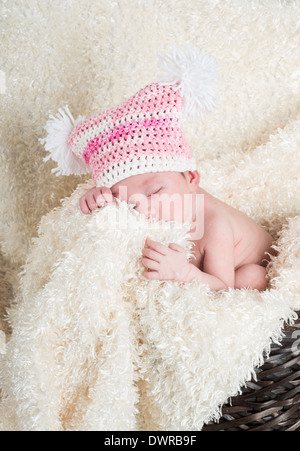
<point x="223" y="221"/>
<point x="218" y="223"/>
<point x="217" y="214"/>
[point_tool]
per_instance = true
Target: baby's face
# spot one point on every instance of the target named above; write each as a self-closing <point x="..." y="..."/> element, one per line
<point x="165" y="196"/>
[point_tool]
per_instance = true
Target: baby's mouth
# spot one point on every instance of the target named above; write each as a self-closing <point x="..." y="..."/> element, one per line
<point x="193" y="228"/>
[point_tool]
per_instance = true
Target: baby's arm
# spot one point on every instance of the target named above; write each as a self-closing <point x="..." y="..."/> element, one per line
<point x="218" y="263"/>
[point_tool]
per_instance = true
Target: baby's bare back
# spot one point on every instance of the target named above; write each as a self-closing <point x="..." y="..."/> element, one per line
<point x="251" y="242"/>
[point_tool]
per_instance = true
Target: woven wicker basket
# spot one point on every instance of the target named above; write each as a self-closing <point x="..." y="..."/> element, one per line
<point x="272" y="403"/>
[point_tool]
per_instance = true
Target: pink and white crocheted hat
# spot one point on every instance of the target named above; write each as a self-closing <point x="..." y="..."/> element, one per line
<point x="143" y="134"/>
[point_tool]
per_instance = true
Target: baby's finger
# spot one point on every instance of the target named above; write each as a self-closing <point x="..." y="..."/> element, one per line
<point x="176" y="247"/>
<point x="150" y="264"/>
<point x="151" y="275"/>
<point x="150" y="253"/>
<point x="107" y="194"/>
<point x="158" y="247"/>
<point x="91" y="201"/>
<point x="100" y="200"/>
<point x="83" y="206"/>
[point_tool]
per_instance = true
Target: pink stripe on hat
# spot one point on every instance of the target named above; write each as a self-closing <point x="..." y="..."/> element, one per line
<point x="125" y="134"/>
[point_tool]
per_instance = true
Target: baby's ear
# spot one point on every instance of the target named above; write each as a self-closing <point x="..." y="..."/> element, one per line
<point x="193" y="178"/>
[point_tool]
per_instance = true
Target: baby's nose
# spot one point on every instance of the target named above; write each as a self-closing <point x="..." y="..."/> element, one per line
<point x="145" y="210"/>
<point x="140" y="203"/>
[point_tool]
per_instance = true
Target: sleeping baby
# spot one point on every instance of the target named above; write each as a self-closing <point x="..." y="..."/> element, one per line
<point x="137" y="152"/>
<point x="232" y="251"/>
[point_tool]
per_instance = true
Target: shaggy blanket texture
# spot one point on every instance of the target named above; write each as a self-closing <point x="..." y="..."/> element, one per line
<point x="91" y="345"/>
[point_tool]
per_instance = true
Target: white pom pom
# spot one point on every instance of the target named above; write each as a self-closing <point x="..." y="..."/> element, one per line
<point x="56" y="143"/>
<point x="195" y="73"/>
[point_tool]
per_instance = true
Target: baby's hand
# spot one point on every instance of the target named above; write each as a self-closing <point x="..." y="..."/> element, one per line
<point x="166" y="263"/>
<point x="95" y="198"/>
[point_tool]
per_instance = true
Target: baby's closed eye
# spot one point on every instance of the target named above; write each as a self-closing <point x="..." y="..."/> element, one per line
<point x="138" y="203"/>
<point x="154" y="192"/>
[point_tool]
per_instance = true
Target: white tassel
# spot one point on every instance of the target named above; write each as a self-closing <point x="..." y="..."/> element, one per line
<point x="195" y="73"/>
<point x="56" y="143"/>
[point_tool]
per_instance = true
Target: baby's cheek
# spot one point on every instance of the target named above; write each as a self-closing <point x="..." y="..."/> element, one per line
<point x="172" y="210"/>
<point x="167" y="207"/>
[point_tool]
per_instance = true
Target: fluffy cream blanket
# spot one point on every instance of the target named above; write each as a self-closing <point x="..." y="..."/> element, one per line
<point x="92" y="345"/>
<point x="95" y="346"/>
